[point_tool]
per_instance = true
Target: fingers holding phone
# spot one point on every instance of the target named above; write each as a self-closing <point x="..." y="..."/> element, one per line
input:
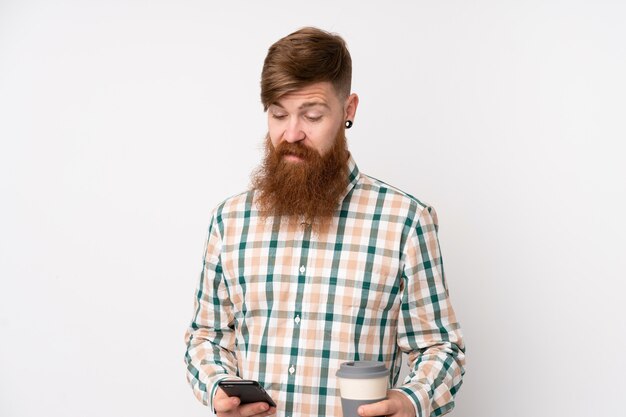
<point x="225" y="405"/>
<point x="242" y="398"/>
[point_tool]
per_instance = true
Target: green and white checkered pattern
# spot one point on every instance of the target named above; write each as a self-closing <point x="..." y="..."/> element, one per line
<point x="285" y="306"/>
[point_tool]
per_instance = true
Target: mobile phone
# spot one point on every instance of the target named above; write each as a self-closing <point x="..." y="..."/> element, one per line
<point x="247" y="390"/>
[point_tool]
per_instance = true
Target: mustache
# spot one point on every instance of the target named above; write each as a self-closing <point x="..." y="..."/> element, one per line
<point x="297" y="149"/>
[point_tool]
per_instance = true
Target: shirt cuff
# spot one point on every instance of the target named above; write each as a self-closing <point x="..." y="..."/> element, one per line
<point x="419" y="398"/>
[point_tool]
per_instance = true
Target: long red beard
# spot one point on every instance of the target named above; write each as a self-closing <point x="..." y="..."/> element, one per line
<point x="305" y="191"/>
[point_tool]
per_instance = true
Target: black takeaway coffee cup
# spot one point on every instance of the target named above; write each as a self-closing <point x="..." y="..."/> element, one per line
<point x="361" y="382"/>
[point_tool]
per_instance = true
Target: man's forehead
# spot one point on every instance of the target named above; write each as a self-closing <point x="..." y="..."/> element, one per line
<point x="305" y="104"/>
<point x="319" y="94"/>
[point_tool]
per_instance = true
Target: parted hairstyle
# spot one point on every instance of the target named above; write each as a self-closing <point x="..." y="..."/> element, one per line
<point x="304" y="57"/>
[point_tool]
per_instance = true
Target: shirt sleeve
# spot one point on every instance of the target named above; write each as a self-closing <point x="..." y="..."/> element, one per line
<point x="210" y="338"/>
<point x="427" y="328"/>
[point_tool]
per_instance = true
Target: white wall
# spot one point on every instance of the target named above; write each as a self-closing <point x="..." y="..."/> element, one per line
<point x="122" y="123"/>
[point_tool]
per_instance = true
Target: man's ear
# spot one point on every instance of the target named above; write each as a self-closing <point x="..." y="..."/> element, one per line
<point x="352" y="102"/>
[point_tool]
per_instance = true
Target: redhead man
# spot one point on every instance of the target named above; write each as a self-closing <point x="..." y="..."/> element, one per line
<point x="318" y="264"/>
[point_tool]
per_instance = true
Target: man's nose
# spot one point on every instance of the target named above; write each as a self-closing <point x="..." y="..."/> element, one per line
<point x="293" y="132"/>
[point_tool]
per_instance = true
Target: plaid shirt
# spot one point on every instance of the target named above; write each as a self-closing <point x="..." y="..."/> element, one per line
<point x="284" y="306"/>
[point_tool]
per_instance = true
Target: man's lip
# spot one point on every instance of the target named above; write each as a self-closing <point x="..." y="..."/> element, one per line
<point x="292" y="157"/>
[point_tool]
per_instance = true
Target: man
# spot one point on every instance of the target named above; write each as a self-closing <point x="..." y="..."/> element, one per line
<point x="319" y="264"/>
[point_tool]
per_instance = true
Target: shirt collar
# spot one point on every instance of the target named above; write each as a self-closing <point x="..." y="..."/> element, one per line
<point x="353" y="176"/>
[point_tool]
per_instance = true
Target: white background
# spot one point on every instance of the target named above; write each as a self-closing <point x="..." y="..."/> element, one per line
<point x="123" y="123"/>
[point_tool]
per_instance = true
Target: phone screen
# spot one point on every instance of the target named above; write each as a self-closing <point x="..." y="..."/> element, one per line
<point x="247" y="390"/>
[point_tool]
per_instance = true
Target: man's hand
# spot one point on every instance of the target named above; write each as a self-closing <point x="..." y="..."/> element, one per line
<point x="226" y="406"/>
<point x="396" y="405"/>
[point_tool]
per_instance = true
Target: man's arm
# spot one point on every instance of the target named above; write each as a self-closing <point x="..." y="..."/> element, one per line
<point x="427" y="330"/>
<point x="210" y="338"/>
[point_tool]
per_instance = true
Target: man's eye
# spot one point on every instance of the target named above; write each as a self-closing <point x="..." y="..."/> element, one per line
<point x="313" y="118"/>
<point x="278" y="116"/>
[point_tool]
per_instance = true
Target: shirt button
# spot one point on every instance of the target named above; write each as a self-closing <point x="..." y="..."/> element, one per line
<point x="292" y="370"/>
<point x="297" y="319"/>
<point x="302" y="269"/>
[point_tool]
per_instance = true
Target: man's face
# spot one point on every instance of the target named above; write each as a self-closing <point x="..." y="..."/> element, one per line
<point x="311" y="116"/>
<point x="304" y="173"/>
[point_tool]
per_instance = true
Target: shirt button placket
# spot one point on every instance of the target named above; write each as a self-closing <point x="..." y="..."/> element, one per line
<point x="292" y="370"/>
